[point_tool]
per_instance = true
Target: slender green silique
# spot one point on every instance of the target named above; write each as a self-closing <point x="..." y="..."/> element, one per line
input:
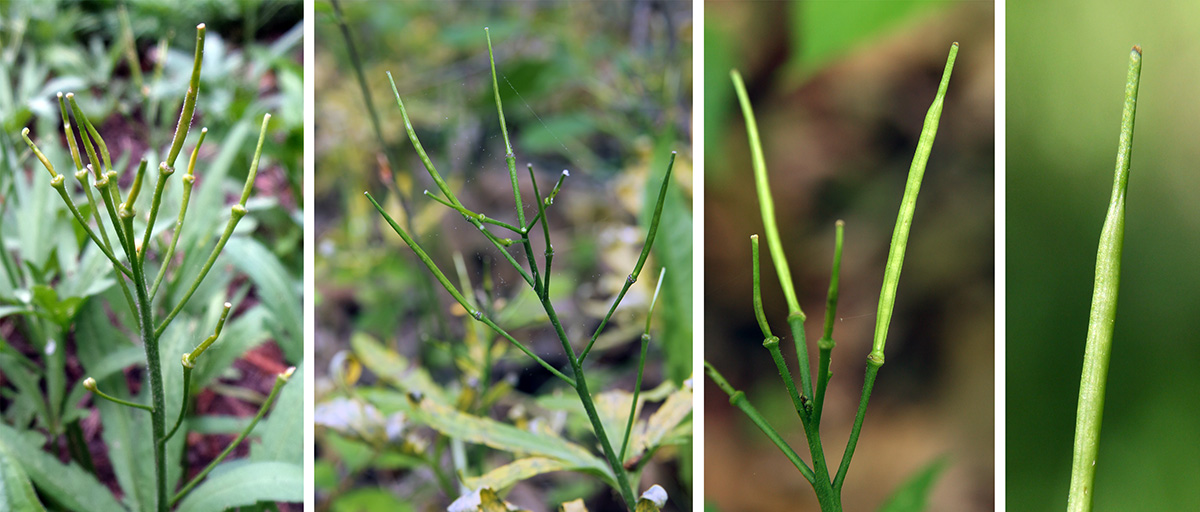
<point x="809" y="407"/>
<point x="1104" y="310"/>
<point x="188" y="180"/>
<point x="916" y="173"/>
<point x="766" y="204"/>
<point x="450" y="197"/>
<point x="637" y="267"/>
<point x="189" y="100"/>
<point x="539" y="281"/>
<point x="825" y="344"/>
<point x="895" y="260"/>
<point x="58" y="182"/>
<point x="771" y="342"/>
<point x="510" y="161"/>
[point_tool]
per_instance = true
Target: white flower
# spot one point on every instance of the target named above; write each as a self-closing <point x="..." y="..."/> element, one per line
<point x="656" y="494"/>
<point x="466" y="503"/>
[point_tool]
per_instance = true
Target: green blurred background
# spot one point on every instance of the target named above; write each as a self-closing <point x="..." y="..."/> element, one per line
<point x="1067" y="63"/>
<point x="600" y="88"/>
<point x="840" y="90"/>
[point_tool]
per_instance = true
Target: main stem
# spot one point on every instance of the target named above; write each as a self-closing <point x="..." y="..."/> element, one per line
<point x="589" y="406"/>
<point x="829" y="498"/>
<point x="158" y="422"/>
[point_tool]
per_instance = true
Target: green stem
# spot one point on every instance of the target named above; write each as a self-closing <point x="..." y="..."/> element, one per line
<point x="154" y="374"/>
<point x="509" y="158"/>
<point x="825" y="344"/>
<point x="187" y="392"/>
<point x="541" y="215"/>
<point x="637" y="386"/>
<point x="164" y="172"/>
<point x="868" y="384"/>
<point x="90" y="384"/>
<point x="1104" y="310"/>
<point x="458" y="296"/>
<point x="738" y="399"/>
<point x="581" y="388"/>
<point x="280" y="380"/>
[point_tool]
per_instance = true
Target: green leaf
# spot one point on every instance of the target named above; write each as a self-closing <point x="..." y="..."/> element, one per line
<point x="15" y="489"/>
<point x="673" y="250"/>
<point x="511" y="473"/>
<point x="114" y="360"/>
<point x="913" y="495"/>
<point x="283" y="432"/>
<point x="26" y="383"/>
<point x="718" y="98"/>
<point x="822" y="31"/>
<point x="65" y="484"/>
<point x="277" y="290"/>
<point x="90" y="277"/>
<point x="13" y="310"/>
<point x="59" y="311"/>
<point x="247" y="484"/>
<point x="362" y="499"/>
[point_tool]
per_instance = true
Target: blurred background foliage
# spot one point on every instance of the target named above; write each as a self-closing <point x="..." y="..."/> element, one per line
<point x="840" y="90"/>
<point x="602" y="89"/>
<point x="51" y="270"/>
<point x="1066" y="77"/>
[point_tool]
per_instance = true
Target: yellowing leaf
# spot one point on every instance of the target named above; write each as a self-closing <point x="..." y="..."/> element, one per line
<point x="509" y="474"/>
<point x="613" y="408"/>
<point x="394" y="369"/>
<point x="489" y="501"/>
<point x="674" y="411"/>
<point x="575" y="505"/>
<point x="485" y="431"/>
